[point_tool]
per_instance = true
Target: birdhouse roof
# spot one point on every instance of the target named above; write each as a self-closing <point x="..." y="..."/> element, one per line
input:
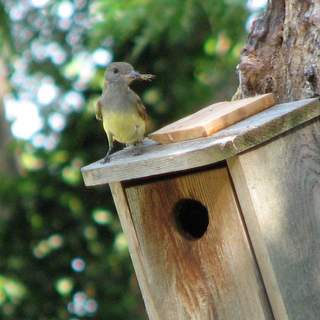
<point x="157" y="159"/>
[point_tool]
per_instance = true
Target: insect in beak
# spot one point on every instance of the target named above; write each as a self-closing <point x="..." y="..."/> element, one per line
<point x="135" y="75"/>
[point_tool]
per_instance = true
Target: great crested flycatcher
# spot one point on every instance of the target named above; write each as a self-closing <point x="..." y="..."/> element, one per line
<point x="119" y="108"/>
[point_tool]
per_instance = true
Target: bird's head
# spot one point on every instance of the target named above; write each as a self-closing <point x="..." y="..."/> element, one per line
<point x="123" y="71"/>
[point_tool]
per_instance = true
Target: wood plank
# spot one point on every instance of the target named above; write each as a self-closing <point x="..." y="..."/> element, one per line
<point x="278" y="186"/>
<point x="159" y="159"/>
<point x="214" y="277"/>
<point x="212" y="119"/>
<point x="124" y="214"/>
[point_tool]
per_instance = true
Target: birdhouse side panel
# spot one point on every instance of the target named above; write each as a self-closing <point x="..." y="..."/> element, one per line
<point x="278" y="185"/>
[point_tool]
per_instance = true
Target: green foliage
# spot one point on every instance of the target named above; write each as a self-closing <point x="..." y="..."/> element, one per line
<point x="62" y="250"/>
<point x="192" y="46"/>
<point x="6" y="41"/>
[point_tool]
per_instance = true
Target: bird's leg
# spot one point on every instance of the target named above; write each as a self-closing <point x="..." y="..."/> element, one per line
<point x="107" y="156"/>
<point x="137" y="150"/>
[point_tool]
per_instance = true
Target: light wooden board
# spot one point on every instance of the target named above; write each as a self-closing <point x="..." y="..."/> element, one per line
<point x="212" y="119"/>
<point x="278" y="186"/>
<point x="127" y="225"/>
<point x="159" y="159"/>
<point x="214" y="277"/>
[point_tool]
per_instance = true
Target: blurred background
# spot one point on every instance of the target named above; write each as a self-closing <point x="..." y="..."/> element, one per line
<point x="62" y="252"/>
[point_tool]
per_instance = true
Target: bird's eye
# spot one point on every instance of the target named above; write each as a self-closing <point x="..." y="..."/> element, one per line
<point x="115" y="70"/>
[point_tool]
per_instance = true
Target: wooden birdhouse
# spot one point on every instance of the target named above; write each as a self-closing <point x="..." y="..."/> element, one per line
<point x="225" y="226"/>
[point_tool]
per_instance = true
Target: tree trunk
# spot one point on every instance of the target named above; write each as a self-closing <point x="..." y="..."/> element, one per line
<point x="7" y="162"/>
<point x="282" y="52"/>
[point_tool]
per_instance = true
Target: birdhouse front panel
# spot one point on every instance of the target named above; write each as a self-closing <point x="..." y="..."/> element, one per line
<point x="194" y="251"/>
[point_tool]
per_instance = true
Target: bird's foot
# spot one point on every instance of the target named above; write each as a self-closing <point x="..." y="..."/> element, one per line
<point x="106" y="159"/>
<point x="137" y="149"/>
<point x="129" y="146"/>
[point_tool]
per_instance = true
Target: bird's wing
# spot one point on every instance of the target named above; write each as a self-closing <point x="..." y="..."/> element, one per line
<point x="98" y="110"/>
<point x="141" y="109"/>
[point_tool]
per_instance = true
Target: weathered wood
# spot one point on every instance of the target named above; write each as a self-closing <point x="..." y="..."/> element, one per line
<point x="212" y="119"/>
<point x="159" y="159"/>
<point x="127" y="225"/>
<point x="278" y="186"/>
<point x="214" y="277"/>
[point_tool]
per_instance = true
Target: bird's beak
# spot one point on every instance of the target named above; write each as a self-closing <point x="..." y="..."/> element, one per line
<point x="135" y="75"/>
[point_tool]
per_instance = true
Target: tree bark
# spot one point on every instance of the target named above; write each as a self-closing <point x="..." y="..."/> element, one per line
<point x="7" y="163"/>
<point x="282" y="52"/>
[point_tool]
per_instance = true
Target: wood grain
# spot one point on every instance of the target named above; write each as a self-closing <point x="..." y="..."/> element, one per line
<point x="127" y="225"/>
<point x="278" y="186"/>
<point x="214" y="277"/>
<point x="212" y="119"/>
<point x="160" y="159"/>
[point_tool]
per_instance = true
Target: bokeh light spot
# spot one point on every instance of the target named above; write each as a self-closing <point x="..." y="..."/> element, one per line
<point x="30" y="161"/>
<point x="64" y="286"/>
<point x="256" y="4"/>
<point x="71" y="175"/>
<point x="101" y="57"/>
<point x="25" y="117"/>
<point x="90" y="232"/>
<point x="55" y="241"/>
<point x="81" y="305"/>
<point x="78" y="264"/>
<point x="91" y="306"/>
<point x="65" y="9"/>
<point x="57" y="121"/>
<point x="121" y="244"/>
<point x="39" y="3"/>
<point x="46" y="93"/>
<point x="101" y="216"/>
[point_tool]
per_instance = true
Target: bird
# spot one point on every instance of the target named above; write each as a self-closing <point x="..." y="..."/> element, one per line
<point x="119" y="108"/>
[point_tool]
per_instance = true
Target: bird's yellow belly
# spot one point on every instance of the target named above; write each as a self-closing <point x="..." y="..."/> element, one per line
<point x="125" y="128"/>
